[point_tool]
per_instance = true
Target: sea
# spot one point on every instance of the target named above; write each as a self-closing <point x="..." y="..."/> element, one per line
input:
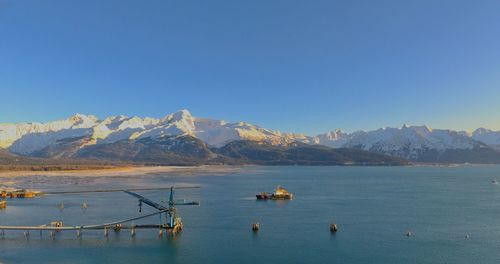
<point x="452" y="213"/>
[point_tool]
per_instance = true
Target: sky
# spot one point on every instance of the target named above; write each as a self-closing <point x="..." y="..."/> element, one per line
<point x="296" y="66"/>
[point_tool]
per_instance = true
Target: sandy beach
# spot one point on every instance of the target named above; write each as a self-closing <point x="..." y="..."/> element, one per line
<point x="129" y="171"/>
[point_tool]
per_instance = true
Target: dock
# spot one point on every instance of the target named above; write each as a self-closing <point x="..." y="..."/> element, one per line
<point x="172" y="223"/>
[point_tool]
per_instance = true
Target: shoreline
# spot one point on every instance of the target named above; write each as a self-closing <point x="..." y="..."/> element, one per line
<point x="130" y="170"/>
<point x="126" y="171"/>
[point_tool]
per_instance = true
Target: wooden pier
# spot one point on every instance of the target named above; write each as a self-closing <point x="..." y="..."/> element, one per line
<point x="98" y="226"/>
<point x="172" y="225"/>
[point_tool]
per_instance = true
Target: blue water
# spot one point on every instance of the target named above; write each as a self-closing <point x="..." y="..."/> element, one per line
<point x="373" y="207"/>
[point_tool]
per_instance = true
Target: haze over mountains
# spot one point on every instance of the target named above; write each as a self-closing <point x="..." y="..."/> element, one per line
<point x="181" y="138"/>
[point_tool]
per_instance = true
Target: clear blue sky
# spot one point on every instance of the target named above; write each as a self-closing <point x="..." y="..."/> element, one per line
<point x="303" y="66"/>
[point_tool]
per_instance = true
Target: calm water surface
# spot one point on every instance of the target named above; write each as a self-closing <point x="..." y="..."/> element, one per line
<point x="373" y="207"/>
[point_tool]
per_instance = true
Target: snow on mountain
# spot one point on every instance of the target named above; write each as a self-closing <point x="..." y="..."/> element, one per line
<point x="335" y="139"/>
<point x="213" y="132"/>
<point x="84" y="130"/>
<point x="36" y="135"/>
<point x="407" y="141"/>
<point x="487" y="136"/>
<point x="26" y="138"/>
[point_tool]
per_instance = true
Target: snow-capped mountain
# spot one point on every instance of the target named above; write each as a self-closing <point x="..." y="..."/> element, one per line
<point x="64" y="138"/>
<point x="335" y="139"/>
<point x="411" y="142"/>
<point x="26" y="138"/>
<point x="487" y="136"/>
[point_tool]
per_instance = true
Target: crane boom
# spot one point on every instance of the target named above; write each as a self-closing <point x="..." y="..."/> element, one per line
<point x="147" y="201"/>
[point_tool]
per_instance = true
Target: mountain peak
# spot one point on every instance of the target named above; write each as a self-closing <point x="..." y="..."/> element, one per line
<point x="481" y="130"/>
<point x="77" y="117"/>
<point x="182" y="114"/>
<point x="423" y="128"/>
<point x="334" y="134"/>
<point x="81" y="119"/>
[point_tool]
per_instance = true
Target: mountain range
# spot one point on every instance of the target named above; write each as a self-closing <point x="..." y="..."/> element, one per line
<point x="180" y="138"/>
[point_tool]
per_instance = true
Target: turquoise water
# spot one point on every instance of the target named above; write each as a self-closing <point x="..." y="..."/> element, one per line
<point x="373" y="207"/>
